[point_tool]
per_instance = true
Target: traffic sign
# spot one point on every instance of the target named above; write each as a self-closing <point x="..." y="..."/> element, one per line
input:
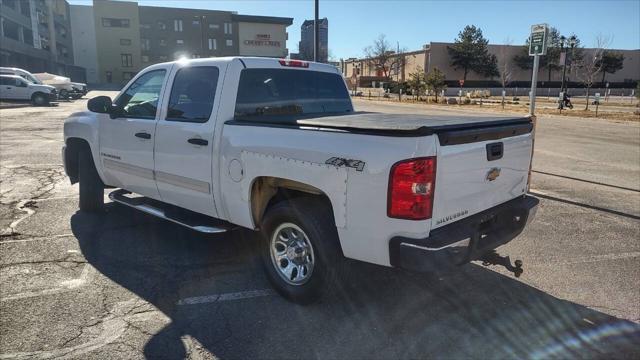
<point x="538" y="39"/>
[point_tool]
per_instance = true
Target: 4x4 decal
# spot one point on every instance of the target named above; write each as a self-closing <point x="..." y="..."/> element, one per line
<point x="339" y="162"/>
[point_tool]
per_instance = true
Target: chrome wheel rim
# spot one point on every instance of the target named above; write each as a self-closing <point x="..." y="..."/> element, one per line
<point x="291" y="254"/>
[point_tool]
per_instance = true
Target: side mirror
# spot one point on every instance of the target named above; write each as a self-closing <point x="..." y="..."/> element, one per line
<point x="100" y="104"/>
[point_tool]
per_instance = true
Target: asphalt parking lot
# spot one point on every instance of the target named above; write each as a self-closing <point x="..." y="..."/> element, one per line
<point x="124" y="285"/>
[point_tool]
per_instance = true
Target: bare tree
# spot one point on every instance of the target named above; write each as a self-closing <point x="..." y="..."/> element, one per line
<point x="381" y="56"/>
<point x="591" y="64"/>
<point x="505" y="66"/>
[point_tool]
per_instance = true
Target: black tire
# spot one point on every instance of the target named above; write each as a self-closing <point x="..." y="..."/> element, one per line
<point x="315" y="217"/>
<point x="39" y="99"/>
<point x="91" y="187"/>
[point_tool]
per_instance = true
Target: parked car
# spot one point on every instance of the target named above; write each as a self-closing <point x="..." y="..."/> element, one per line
<point x="275" y="146"/>
<point x="80" y="89"/>
<point x="14" y="87"/>
<point x="64" y="85"/>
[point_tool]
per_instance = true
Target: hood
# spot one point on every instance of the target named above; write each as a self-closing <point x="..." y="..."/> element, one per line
<point x="47" y="88"/>
<point x="52" y="79"/>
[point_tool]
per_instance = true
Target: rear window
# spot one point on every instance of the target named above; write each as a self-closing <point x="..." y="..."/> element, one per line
<point x="280" y="92"/>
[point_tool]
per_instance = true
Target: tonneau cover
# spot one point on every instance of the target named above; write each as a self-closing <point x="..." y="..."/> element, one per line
<point x="402" y="124"/>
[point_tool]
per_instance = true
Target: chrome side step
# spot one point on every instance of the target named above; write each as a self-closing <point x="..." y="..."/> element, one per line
<point x="192" y="220"/>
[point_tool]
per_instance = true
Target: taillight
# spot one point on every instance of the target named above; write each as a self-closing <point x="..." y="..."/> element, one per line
<point x="294" y="63"/>
<point x="411" y="186"/>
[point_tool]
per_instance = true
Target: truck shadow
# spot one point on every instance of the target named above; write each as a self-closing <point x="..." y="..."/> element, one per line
<point x="378" y="312"/>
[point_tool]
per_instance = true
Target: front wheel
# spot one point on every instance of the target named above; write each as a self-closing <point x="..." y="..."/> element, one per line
<point x="300" y="249"/>
<point x="39" y="99"/>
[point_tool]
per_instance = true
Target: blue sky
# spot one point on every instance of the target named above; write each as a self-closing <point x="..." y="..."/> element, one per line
<point x="355" y="24"/>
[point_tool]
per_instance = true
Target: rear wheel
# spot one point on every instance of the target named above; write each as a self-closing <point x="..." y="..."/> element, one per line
<point x="300" y="249"/>
<point x="91" y="187"/>
<point x="39" y="99"/>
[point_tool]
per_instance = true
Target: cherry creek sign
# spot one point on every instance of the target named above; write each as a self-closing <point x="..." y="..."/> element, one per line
<point x="262" y="40"/>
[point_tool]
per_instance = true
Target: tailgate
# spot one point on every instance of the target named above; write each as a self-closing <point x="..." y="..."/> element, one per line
<point x="480" y="168"/>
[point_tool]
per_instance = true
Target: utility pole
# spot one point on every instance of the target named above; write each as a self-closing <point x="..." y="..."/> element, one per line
<point x="316" y="34"/>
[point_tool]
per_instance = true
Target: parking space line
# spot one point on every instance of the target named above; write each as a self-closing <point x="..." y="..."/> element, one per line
<point x="225" y="297"/>
<point x="589" y="259"/>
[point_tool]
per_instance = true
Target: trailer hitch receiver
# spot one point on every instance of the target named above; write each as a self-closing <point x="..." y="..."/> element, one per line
<point x="493" y="258"/>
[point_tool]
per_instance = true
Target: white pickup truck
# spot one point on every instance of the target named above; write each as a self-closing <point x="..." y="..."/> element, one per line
<point x="275" y="145"/>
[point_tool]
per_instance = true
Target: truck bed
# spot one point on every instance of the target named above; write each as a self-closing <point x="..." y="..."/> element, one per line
<point x="478" y="127"/>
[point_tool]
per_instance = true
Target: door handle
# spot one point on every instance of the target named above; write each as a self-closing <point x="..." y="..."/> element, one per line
<point x="143" y="135"/>
<point x="197" y="141"/>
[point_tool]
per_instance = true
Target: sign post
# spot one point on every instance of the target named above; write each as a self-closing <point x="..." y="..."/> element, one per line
<point x="537" y="47"/>
<point x="597" y="103"/>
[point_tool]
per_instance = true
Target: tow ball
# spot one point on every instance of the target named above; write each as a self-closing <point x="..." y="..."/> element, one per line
<point x="493" y="258"/>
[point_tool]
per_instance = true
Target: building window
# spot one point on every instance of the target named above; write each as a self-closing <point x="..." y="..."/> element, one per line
<point x="27" y="36"/>
<point x="145" y="44"/>
<point x="163" y="42"/>
<point x="11" y="29"/>
<point x="179" y="42"/>
<point x="11" y="3"/>
<point x="162" y="25"/>
<point x="229" y="42"/>
<point x="195" y="22"/>
<point x="145" y="58"/>
<point x="145" y="26"/>
<point x="162" y="58"/>
<point x="25" y="8"/>
<point x="111" y="22"/>
<point x="127" y="75"/>
<point x="125" y="42"/>
<point x="213" y="44"/>
<point x="214" y="26"/>
<point x="177" y="25"/>
<point x="228" y="29"/>
<point x="127" y="60"/>
<point x="196" y="56"/>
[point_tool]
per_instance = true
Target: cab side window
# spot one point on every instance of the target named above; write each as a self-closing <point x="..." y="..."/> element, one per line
<point x="192" y="94"/>
<point x="140" y="100"/>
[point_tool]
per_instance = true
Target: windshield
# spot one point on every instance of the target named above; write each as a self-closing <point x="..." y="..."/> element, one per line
<point x="278" y="92"/>
<point x="31" y="78"/>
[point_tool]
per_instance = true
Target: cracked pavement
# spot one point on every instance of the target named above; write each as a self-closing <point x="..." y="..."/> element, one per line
<point x="124" y="285"/>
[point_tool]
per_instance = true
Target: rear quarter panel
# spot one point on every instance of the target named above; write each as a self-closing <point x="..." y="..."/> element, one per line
<point x="358" y="198"/>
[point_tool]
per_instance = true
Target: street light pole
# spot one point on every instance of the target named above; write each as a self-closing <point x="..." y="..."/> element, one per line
<point x="316" y="34"/>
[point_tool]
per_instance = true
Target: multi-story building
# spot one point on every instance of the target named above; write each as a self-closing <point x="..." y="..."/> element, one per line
<point x="131" y="37"/>
<point x="36" y="36"/>
<point x="305" y="47"/>
<point x="435" y="55"/>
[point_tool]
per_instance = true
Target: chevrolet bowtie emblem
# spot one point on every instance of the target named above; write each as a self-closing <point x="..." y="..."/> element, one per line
<point x="493" y="174"/>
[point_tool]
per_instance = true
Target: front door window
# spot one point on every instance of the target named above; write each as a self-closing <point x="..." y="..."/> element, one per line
<point x="140" y="100"/>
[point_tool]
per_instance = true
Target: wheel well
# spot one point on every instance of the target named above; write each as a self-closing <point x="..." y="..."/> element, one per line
<point x="74" y="147"/>
<point x="267" y="191"/>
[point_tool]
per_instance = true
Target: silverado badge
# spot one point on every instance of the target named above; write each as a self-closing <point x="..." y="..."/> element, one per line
<point x="493" y="174"/>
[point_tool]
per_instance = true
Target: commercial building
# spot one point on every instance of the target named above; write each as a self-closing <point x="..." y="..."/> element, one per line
<point x="131" y="37"/>
<point x="306" y="45"/>
<point x="36" y="35"/>
<point x="435" y="55"/>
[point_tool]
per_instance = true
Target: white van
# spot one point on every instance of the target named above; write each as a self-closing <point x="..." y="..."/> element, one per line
<point x="14" y="87"/>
